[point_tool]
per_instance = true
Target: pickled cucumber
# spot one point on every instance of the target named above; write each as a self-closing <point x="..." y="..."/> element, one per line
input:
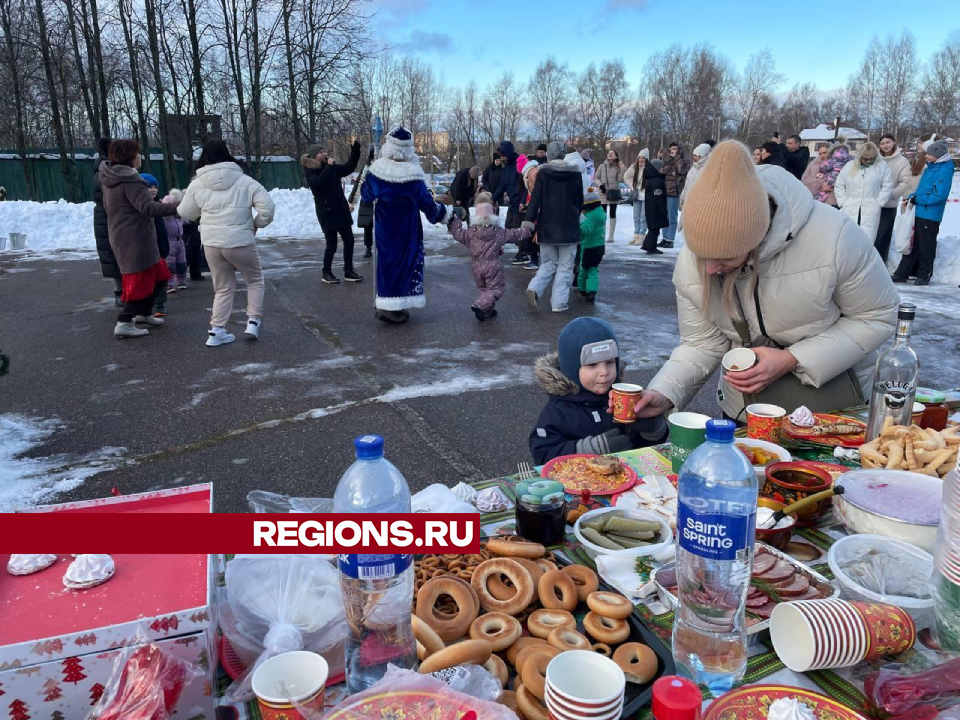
<point x="623" y="524"/>
<point x="598" y="539"/>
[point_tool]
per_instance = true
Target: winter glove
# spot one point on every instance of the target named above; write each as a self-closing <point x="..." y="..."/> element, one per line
<point x="460" y="213"/>
<point x="611" y="441"/>
<point x="527" y="225"/>
<point x="647" y="431"/>
<point x="356" y="145"/>
<point x="602" y="189"/>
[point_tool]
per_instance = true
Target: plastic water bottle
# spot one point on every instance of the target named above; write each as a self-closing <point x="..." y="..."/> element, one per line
<point x="377" y="589"/>
<point x="716" y="524"/>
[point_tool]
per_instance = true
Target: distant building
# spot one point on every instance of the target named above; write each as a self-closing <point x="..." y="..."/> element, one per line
<point x="811" y="137"/>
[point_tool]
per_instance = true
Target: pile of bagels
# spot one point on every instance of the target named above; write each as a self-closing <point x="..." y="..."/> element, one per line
<point x="476" y="613"/>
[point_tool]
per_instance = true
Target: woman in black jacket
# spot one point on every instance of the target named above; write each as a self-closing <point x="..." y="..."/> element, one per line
<point x="108" y="262"/>
<point x="654" y="205"/>
<point x="333" y="212"/>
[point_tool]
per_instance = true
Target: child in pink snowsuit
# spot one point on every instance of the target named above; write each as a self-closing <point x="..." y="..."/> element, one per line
<point x="177" y="258"/>
<point x="485" y="239"/>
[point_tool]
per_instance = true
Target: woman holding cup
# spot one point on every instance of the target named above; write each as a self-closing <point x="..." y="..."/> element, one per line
<point x="767" y="267"/>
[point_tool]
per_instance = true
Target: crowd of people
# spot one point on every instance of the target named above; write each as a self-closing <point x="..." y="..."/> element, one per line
<point x="561" y="212"/>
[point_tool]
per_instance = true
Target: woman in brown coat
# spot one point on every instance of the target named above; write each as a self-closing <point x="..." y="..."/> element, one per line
<point x="133" y="236"/>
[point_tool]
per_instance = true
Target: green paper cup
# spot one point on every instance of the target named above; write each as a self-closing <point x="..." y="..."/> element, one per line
<point x="688" y="431"/>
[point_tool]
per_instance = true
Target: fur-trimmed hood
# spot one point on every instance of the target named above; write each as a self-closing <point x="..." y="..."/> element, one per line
<point x="547" y="372"/>
<point x="311" y="163"/>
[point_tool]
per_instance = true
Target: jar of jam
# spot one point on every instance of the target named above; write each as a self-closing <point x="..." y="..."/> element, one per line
<point x="935" y="416"/>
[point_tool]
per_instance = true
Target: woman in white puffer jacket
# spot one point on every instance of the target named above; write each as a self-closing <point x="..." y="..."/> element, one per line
<point x="863" y="187"/>
<point x="223" y="197"/>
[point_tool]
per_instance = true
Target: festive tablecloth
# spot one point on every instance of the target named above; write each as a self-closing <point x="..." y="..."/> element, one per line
<point x="845" y="686"/>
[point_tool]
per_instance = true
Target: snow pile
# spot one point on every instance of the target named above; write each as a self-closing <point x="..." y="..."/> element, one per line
<point x="50" y="225"/>
<point x="946" y="271"/>
<point x="295" y="216"/>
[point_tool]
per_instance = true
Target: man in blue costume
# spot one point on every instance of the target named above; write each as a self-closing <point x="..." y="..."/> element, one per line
<point x="396" y="184"/>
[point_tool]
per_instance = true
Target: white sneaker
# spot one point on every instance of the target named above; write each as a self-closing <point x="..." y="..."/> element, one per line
<point x="561" y="309"/>
<point x="532" y="298"/>
<point x="219" y="336"/>
<point x="253" y="328"/>
<point x="129" y="330"/>
<point x="148" y="320"/>
<point x="171" y="289"/>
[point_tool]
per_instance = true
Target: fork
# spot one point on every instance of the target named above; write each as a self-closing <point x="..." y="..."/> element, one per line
<point x="525" y="471"/>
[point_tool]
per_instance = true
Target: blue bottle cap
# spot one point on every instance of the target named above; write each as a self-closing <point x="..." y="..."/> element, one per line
<point x="721" y="431"/>
<point x="369" y="447"/>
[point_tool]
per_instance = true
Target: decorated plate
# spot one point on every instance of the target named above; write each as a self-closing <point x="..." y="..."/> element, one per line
<point x="753" y="702"/>
<point x="405" y="705"/>
<point x="575" y="476"/>
<point x="806" y="434"/>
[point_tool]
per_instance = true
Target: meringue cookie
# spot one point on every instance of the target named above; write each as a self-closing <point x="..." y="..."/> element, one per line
<point x="790" y="709"/>
<point x="464" y="492"/>
<point x="29" y="564"/>
<point x="88" y="571"/>
<point x="491" y="500"/>
<point x="802" y="417"/>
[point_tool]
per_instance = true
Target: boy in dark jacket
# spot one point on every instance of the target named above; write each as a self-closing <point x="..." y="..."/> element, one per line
<point x="654" y="205"/>
<point x="578" y="379"/>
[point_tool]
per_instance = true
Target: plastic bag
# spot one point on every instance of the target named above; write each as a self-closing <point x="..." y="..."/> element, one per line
<point x="895" y="690"/>
<point x="903" y="230"/>
<point x="439" y="498"/>
<point x="279" y="603"/>
<point x="261" y="501"/>
<point x="145" y="683"/>
<point x="402" y="689"/>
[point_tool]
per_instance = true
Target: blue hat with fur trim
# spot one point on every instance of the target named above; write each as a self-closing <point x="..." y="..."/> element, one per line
<point x="150" y="180"/>
<point x="586" y="341"/>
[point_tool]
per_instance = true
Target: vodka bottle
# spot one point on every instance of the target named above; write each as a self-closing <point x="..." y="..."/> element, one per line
<point x="895" y="380"/>
<point x="716" y="524"/>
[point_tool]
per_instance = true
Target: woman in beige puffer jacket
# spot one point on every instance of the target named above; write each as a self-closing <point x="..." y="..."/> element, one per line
<point x="823" y="291"/>
<point x="608" y="177"/>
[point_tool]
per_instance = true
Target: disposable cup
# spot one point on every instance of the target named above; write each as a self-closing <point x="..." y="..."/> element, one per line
<point x="586" y="680"/>
<point x="765" y="422"/>
<point x="834" y="646"/>
<point x="809" y="636"/>
<point x="288" y="681"/>
<point x="624" y="397"/>
<point x="739" y="359"/>
<point x="890" y="630"/>
<point x="688" y="431"/>
<point x="565" y="711"/>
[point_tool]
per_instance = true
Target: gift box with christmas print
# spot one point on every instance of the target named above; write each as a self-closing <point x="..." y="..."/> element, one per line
<point x="57" y="645"/>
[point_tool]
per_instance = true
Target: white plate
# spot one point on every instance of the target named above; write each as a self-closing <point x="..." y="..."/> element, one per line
<point x="769" y="447"/>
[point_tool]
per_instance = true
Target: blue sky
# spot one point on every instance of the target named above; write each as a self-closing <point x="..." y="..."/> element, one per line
<point x="478" y="40"/>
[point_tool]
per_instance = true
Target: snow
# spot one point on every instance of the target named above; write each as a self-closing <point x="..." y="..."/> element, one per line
<point x="826" y="133"/>
<point x="27" y="481"/>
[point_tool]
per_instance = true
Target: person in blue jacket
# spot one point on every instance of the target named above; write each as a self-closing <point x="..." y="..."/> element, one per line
<point x="930" y="199"/>
<point x="578" y="379"/>
<point x="396" y="184"/>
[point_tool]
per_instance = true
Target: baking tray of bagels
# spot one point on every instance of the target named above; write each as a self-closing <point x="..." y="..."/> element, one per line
<point x="514" y="606"/>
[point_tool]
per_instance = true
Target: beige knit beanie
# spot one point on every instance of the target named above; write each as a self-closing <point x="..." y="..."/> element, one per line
<point x="726" y="213"/>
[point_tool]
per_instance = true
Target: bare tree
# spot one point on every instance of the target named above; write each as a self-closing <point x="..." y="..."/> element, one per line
<point x="800" y="110"/>
<point x="898" y="67"/>
<point x="14" y="60"/>
<point x="754" y="90"/>
<point x="501" y="110"/>
<point x="863" y="88"/>
<point x="600" y="104"/>
<point x="938" y="106"/>
<point x="549" y="93"/>
<point x="150" y="11"/>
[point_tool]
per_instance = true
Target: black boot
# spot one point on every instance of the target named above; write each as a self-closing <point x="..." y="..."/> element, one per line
<point x="351" y="276"/>
<point x="665" y="244"/>
<point x="368" y="253"/>
<point x="329" y="278"/>
<point x="591" y="296"/>
<point x="478" y="313"/>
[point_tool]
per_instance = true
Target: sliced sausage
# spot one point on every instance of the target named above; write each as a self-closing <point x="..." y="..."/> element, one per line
<point x="797" y="585"/>
<point x="762" y="563"/>
<point x="780" y="571"/>
<point x="765" y="611"/>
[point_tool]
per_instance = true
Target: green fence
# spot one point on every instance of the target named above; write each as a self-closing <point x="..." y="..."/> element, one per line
<point x="48" y="180"/>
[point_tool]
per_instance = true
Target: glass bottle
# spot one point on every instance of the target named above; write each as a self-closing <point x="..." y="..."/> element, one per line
<point x="895" y="380"/>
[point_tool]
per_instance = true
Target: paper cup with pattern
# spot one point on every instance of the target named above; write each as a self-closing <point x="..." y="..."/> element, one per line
<point x="890" y="630"/>
<point x="764" y="422"/>
<point x="624" y="397"/>
<point x="816" y="635"/>
<point x="290" y="681"/>
<point x="688" y="431"/>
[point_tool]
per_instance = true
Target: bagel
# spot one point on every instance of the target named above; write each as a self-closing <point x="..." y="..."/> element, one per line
<point x="584" y="578"/>
<point x="516" y="548"/>
<point x="609" y="605"/>
<point x="498" y="629"/>
<point x="564" y="639"/>
<point x="500" y="589"/>
<point x="529" y="652"/>
<point x="498" y="668"/>
<point x="557" y="591"/>
<point x="605" y="630"/>
<point x="509" y="699"/>
<point x="546" y="565"/>
<point x="638" y="662"/>
<point x="543" y="622"/>
<point x="468" y="652"/>
<point x="426" y="637"/>
<point x="520" y="644"/>
<point x="448" y="627"/>
<point x="536" y="572"/>
<point x="535" y="673"/>
<point x="603" y="649"/>
<point x="517" y="574"/>
<point x="530" y="706"/>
